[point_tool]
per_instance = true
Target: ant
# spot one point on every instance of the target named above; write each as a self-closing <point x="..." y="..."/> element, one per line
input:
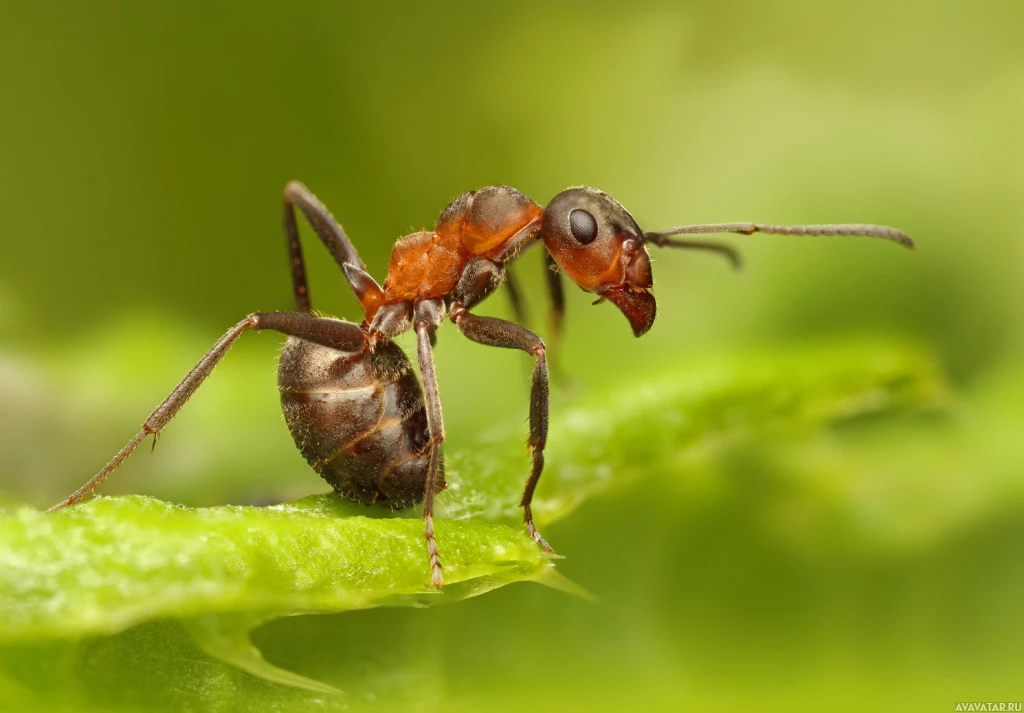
<point x="350" y="398"/>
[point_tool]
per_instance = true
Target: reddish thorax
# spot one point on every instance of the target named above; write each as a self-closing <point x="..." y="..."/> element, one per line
<point x="478" y="224"/>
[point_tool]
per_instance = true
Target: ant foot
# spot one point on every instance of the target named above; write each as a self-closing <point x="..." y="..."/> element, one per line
<point x="435" y="559"/>
<point x="536" y="536"/>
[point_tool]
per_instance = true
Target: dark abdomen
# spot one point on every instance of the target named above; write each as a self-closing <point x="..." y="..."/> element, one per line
<point x="358" y="419"/>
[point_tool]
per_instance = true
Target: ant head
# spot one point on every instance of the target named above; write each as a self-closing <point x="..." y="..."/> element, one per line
<point x="596" y="242"/>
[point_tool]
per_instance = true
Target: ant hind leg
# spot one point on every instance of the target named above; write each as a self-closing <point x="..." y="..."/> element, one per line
<point x="328" y="332"/>
<point x="296" y="195"/>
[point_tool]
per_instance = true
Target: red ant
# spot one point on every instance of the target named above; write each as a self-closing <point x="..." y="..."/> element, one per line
<point x="350" y="398"/>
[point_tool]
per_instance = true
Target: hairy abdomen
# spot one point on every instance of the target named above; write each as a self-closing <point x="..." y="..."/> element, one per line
<point x="358" y="420"/>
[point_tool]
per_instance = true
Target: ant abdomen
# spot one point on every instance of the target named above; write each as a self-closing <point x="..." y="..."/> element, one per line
<point x="359" y="420"/>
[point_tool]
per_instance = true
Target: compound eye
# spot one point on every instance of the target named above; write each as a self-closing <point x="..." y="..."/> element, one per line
<point x="583" y="226"/>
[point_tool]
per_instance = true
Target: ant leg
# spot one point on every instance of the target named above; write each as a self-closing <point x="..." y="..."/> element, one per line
<point x="328" y="332"/>
<point x="429" y="314"/>
<point x="502" y="333"/>
<point x="515" y="297"/>
<point x="296" y="195"/>
<point x="557" y="294"/>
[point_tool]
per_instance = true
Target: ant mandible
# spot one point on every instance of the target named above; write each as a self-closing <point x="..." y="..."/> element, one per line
<point x="350" y="398"/>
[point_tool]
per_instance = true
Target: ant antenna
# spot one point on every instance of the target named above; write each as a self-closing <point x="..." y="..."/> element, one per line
<point x="663" y="241"/>
<point x="855" y="229"/>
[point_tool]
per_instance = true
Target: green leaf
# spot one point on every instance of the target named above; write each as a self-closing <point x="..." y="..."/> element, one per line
<point x="112" y="563"/>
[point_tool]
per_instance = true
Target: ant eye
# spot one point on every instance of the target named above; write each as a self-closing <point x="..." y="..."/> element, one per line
<point x="583" y="226"/>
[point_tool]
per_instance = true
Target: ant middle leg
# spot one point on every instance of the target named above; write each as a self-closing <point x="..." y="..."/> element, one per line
<point x="328" y="332"/>
<point x="428" y="316"/>
<point x="296" y="195"/>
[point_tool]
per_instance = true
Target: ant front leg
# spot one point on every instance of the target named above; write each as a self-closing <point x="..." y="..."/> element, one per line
<point x="553" y="280"/>
<point x="557" y="325"/>
<point x="557" y="294"/>
<point x="515" y="297"/>
<point x="428" y="316"/>
<point x="333" y="333"/>
<point x="479" y="278"/>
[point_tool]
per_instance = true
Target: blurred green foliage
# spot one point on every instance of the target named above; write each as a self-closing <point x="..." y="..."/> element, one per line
<point x="216" y="573"/>
<point x="144" y="150"/>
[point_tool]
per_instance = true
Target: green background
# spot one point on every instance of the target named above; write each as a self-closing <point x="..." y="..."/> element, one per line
<point x="143" y="149"/>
